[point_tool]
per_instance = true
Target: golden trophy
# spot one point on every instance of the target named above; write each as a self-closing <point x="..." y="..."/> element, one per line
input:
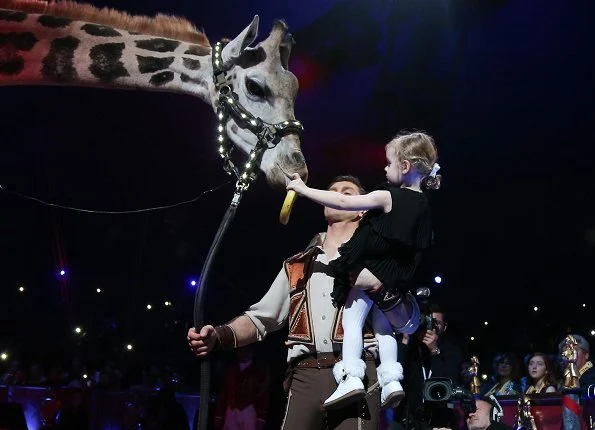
<point x="569" y="356"/>
<point x="473" y="372"/>
<point x="524" y="417"/>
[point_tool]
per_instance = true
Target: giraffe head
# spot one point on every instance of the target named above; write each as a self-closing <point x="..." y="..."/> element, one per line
<point x="267" y="89"/>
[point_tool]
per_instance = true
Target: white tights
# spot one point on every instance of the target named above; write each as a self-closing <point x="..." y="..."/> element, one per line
<point x="357" y="307"/>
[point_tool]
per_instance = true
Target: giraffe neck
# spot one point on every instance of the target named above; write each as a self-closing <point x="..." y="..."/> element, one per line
<point x="48" y="50"/>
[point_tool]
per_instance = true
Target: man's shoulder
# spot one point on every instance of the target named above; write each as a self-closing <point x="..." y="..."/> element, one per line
<point x="317" y="240"/>
<point x="447" y="345"/>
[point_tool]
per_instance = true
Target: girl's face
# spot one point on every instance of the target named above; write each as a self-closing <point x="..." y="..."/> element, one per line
<point x="395" y="169"/>
<point x="537" y="368"/>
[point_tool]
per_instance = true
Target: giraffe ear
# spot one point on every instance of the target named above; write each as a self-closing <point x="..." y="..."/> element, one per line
<point x="285" y="49"/>
<point x="234" y="49"/>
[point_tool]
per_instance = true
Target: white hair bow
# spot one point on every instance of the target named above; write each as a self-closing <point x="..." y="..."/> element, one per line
<point x="434" y="170"/>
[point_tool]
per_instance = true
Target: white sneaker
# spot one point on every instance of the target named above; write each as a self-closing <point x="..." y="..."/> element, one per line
<point x="391" y="395"/>
<point x="350" y="390"/>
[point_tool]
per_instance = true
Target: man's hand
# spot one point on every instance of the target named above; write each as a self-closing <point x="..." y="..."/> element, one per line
<point x="297" y="184"/>
<point x="365" y="280"/>
<point x="431" y="340"/>
<point x="202" y="343"/>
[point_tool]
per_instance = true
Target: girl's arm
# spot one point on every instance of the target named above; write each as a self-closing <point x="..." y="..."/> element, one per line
<point x="332" y="199"/>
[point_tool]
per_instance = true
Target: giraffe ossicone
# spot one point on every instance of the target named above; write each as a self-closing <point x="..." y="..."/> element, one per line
<point x="75" y="44"/>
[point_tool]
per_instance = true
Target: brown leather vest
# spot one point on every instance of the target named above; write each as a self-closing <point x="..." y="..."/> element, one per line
<point x="299" y="269"/>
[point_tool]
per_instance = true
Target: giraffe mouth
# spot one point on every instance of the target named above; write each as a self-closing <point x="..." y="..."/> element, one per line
<point x="278" y="163"/>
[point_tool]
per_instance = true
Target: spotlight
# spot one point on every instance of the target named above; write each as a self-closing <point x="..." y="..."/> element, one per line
<point x="22" y="289"/>
<point x="592" y="332"/>
<point x="85" y="376"/>
<point x="472" y="337"/>
<point x="4" y="356"/>
<point x="149" y="307"/>
<point x="98" y="290"/>
<point x="438" y="279"/>
<point x="62" y="272"/>
<point x="485" y="323"/>
<point x="584" y="305"/>
<point x="535" y="308"/>
<point x="78" y="330"/>
<point x="129" y="347"/>
<point x="484" y="377"/>
<point x="167" y="303"/>
<point x="193" y="283"/>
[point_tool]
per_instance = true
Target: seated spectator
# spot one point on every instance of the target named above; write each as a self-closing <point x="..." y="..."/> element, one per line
<point x="541" y="376"/>
<point x="506" y="381"/>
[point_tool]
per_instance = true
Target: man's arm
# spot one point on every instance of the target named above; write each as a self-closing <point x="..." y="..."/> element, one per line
<point x="268" y="315"/>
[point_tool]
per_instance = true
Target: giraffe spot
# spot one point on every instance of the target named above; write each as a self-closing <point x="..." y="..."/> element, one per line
<point x="196" y="50"/>
<point x="105" y="61"/>
<point x="153" y="64"/>
<point x="53" y="21"/>
<point x="191" y="64"/>
<point x="12" y="15"/>
<point x="184" y="77"/>
<point x="20" y="41"/>
<point x="158" y="44"/>
<point x="100" y="30"/>
<point x="161" y="78"/>
<point x="58" y="65"/>
<point x="11" y="66"/>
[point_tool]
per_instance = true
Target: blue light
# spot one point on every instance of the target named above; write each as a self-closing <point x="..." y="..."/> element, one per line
<point x="62" y="272"/>
<point x="438" y="279"/>
<point x="193" y="283"/>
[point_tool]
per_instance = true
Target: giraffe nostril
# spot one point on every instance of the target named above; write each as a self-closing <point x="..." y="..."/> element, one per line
<point x="297" y="158"/>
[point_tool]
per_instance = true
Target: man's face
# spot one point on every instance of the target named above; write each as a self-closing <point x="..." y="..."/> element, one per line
<point x="582" y="357"/>
<point x="441" y="325"/>
<point x="335" y="215"/>
<point x="480" y="419"/>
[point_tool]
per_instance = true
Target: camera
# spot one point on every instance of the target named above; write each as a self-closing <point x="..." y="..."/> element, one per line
<point x="442" y="390"/>
<point x="426" y="321"/>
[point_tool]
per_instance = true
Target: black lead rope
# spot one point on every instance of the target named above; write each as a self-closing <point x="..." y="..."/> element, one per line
<point x="268" y="136"/>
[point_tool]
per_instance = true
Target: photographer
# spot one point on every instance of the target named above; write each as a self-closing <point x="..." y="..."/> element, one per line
<point x="424" y="355"/>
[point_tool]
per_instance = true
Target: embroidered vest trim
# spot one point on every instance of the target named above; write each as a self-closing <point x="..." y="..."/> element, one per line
<point x="299" y="269"/>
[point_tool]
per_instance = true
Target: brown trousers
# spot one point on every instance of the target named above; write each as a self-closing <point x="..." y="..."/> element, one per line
<point x="310" y="387"/>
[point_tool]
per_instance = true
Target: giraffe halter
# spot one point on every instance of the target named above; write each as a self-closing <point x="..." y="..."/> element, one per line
<point x="268" y="135"/>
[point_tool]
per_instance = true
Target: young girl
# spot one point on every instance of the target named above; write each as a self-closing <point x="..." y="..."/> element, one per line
<point x="387" y="245"/>
<point x="540" y="374"/>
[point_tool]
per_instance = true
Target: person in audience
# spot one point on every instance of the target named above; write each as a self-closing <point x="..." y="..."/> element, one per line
<point x="507" y="376"/>
<point x="540" y="374"/>
<point x="583" y="364"/>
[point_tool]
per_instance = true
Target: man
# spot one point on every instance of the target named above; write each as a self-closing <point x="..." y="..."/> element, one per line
<point x="243" y="399"/>
<point x="427" y="355"/>
<point x="584" y="365"/>
<point x="300" y="297"/>
<point x="486" y="416"/>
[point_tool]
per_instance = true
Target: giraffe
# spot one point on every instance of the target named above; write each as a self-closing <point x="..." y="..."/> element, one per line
<point x="76" y="44"/>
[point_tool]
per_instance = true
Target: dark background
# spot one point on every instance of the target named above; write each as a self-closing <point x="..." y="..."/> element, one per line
<point x="505" y="87"/>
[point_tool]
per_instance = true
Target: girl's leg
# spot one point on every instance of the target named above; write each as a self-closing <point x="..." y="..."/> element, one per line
<point x="350" y="371"/>
<point x="390" y="371"/>
<point x="357" y="307"/>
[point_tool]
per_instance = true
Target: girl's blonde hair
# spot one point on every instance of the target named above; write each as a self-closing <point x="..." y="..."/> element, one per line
<point x="420" y="150"/>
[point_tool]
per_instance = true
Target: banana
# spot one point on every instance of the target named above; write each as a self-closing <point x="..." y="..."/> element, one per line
<point x="287" y="206"/>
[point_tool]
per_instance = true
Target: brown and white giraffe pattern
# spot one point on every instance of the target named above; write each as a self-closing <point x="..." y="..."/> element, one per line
<point x="51" y="49"/>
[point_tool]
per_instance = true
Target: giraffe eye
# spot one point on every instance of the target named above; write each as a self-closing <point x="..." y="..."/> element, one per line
<point x="255" y="88"/>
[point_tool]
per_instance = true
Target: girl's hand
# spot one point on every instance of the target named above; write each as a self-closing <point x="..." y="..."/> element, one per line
<point x="297" y="184"/>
